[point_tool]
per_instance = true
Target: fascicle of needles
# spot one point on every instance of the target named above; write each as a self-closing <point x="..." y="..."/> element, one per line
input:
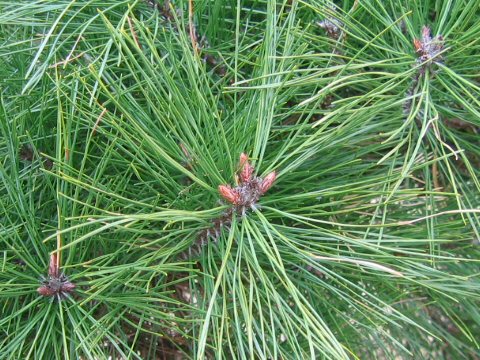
<point x="333" y="28"/>
<point x="429" y="52"/>
<point x="202" y="43"/>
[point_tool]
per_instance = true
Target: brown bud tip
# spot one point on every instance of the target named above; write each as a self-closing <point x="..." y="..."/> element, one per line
<point x="68" y="286"/>
<point x="53" y="267"/>
<point x="243" y="159"/>
<point x="246" y="173"/>
<point x="417" y="44"/>
<point x="229" y="194"/>
<point x="246" y="170"/>
<point x="45" y="291"/>
<point x="267" y="182"/>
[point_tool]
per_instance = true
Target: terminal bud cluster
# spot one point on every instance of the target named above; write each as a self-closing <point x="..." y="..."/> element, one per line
<point x="56" y="284"/>
<point x="242" y="197"/>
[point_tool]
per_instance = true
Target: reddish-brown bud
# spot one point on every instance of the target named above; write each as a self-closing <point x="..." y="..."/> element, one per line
<point x="246" y="170"/>
<point x="267" y="182"/>
<point x="68" y="287"/>
<point x="229" y="194"/>
<point x="417" y="44"/>
<point x="243" y="159"/>
<point x="45" y="291"/>
<point x="53" y="266"/>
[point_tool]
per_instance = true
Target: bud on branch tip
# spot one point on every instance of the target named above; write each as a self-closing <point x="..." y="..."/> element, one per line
<point x="267" y="182"/>
<point x="228" y="194"/>
<point x="53" y="267"/>
<point x="246" y="170"/>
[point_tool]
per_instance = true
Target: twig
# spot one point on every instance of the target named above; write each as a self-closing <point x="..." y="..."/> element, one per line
<point x="134" y="33"/>
<point x="94" y="130"/>
<point x="58" y="252"/>
<point x="191" y="26"/>
<point x="67" y="60"/>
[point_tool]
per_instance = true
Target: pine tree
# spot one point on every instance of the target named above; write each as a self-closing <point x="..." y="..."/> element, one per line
<point x="239" y="180"/>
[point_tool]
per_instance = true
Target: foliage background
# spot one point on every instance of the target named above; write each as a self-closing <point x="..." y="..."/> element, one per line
<point x="365" y="247"/>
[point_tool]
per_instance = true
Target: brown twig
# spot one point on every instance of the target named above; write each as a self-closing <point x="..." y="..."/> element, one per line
<point x="58" y="252"/>
<point x="69" y="57"/>
<point x="134" y="33"/>
<point x="191" y="27"/>
<point x="67" y="60"/>
<point x="94" y="130"/>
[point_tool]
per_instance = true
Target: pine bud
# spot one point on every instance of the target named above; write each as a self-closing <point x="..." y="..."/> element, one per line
<point x="45" y="291"/>
<point x="229" y="194"/>
<point x="243" y="159"/>
<point x="68" y="287"/>
<point x="267" y="182"/>
<point x="53" y="266"/>
<point x="246" y="170"/>
<point x="418" y="45"/>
